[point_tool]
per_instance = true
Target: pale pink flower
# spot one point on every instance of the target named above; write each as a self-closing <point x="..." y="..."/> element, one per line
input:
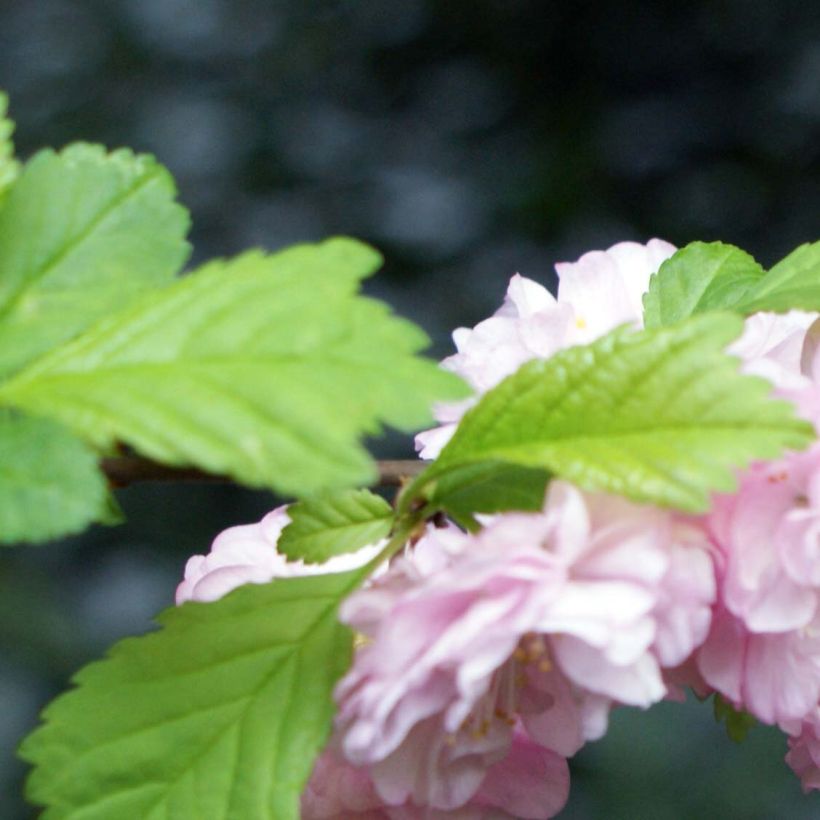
<point x="541" y="620"/>
<point x="529" y="783"/>
<point x="685" y="676"/>
<point x="606" y="288"/>
<point x="804" y="752"/>
<point x="767" y="536"/>
<point x="595" y="294"/>
<point x="774" y="676"/>
<point x="683" y="611"/>
<point x="529" y="324"/>
<point x="338" y="791"/>
<point x="778" y="347"/>
<point x="429" y="443"/>
<point x="763" y="652"/>
<point x="247" y="555"/>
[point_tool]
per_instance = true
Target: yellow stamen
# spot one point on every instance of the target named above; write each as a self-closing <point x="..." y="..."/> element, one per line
<point x="360" y="641"/>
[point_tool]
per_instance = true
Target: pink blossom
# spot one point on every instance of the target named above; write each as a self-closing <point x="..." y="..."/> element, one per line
<point x="538" y="620"/>
<point x="685" y="676"/>
<point x="529" y="324"/>
<point x="804" y="752"/>
<point x="529" y="782"/>
<point x="338" y="791"/>
<point x="430" y="443"/>
<point x="766" y="533"/>
<point x="763" y="651"/>
<point x="774" y="676"/>
<point x="772" y="346"/>
<point x="606" y="288"/>
<point x="247" y="555"/>
<point x="595" y="294"/>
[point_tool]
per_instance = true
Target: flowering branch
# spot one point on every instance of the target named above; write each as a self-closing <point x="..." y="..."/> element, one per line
<point x="122" y="471"/>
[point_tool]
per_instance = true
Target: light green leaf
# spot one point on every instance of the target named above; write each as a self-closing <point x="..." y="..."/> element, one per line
<point x="659" y="416"/>
<point x="49" y="481"/>
<point x="217" y="715"/>
<point x="792" y="284"/>
<point x="702" y="276"/>
<point x="334" y="524"/>
<point x="82" y="233"/>
<point x="9" y="167"/>
<point x="265" y="368"/>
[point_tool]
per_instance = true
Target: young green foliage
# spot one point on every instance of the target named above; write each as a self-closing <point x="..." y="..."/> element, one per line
<point x="83" y="233"/>
<point x="792" y="284"/>
<point x="713" y="276"/>
<point x="488" y="487"/>
<point x="219" y="714"/>
<point x="9" y="167"/>
<point x="702" y="276"/>
<point x="737" y="723"/>
<point x="333" y="524"/>
<point x="49" y="481"/>
<point x="264" y="368"/>
<point x="659" y="416"/>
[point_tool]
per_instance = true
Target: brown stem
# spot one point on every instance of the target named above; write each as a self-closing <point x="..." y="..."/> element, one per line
<point x="125" y="470"/>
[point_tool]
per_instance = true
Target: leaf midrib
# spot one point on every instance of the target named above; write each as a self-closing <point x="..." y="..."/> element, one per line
<point x="266" y="680"/>
<point x="642" y="432"/>
<point x="727" y="252"/>
<point x="37" y="376"/>
<point x="149" y="174"/>
<point x="575" y="381"/>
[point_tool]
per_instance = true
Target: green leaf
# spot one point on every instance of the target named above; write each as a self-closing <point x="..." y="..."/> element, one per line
<point x="700" y="277"/>
<point x="738" y="723"/>
<point x="713" y="276"/>
<point x="265" y="368"/>
<point x="792" y="284"/>
<point x="82" y="234"/>
<point x="333" y="524"/>
<point x="659" y="416"/>
<point x="49" y="481"/>
<point x="9" y="167"/>
<point x="488" y="487"/>
<point x="217" y="715"/>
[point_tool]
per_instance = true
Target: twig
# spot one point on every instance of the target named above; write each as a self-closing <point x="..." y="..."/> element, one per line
<point x="126" y="470"/>
<point x="393" y="473"/>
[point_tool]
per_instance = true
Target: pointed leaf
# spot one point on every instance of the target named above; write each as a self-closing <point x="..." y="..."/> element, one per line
<point x="217" y="715"/>
<point x="265" y="368"/>
<point x="334" y="524"/>
<point x="49" y="481"/>
<point x="792" y="284"/>
<point x="660" y="416"/>
<point x="700" y="277"/>
<point x="82" y="233"/>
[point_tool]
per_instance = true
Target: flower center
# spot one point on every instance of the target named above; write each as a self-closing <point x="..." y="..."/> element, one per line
<point x="500" y="704"/>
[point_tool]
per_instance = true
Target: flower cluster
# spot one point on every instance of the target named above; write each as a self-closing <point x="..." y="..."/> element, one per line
<point x="487" y="659"/>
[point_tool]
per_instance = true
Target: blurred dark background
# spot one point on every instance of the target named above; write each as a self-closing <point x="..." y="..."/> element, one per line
<point x="467" y="140"/>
